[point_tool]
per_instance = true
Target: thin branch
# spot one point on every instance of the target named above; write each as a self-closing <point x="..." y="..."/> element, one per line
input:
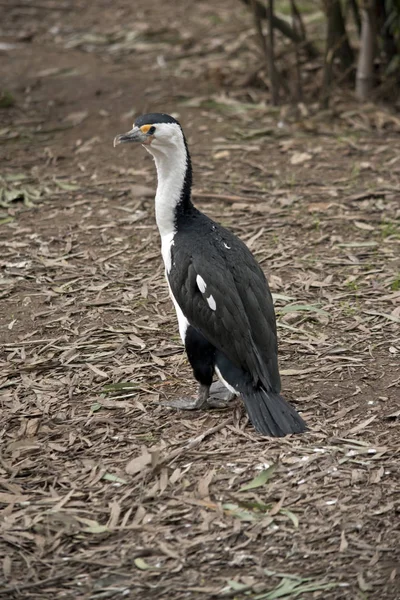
<point x="337" y="45"/>
<point x="328" y="60"/>
<point x="35" y="6"/>
<point x="259" y="31"/>
<point x="297" y="23"/>
<point x="271" y="55"/>
<point x="193" y="443"/>
<point x="365" y="67"/>
<point x="296" y="16"/>
<point x="267" y="50"/>
<point x="356" y="14"/>
<point x="284" y="27"/>
<point x="224" y="197"/>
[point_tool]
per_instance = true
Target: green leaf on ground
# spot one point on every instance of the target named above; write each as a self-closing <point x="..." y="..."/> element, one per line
<point x="114" y="478"/>
<point x="261" y="479"/>
<point x="142" y="564"/>
<point x="302" y="308"/>
<point x="117" y="387"/>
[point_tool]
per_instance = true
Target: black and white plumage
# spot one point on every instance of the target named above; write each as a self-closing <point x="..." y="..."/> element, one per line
<point x="221" y="296"/>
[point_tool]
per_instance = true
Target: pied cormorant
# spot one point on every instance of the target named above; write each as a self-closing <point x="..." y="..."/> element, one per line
<point x="221" y="296"/>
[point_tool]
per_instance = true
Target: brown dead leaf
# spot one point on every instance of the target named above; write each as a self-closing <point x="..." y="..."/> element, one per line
<point x="32" y="427"/>
<point x="221" y="154"/>
<point x="298" y="158"/>
<point x="277" y="507"/>
<point x="360" y="426"/>
<point x="76" y="118"/>
<point x="204" y="483"/>
<point x="364" y="226"/>
<point x="139" y="463"/>
<point x="363" y="585"/>
<point x="158" y="361"/>
<point x="343" y="542"/>
<point x="163" y="480"/>
<point x="6" y="498"/>
<point x="394" y="415"/>
<point x="7" y="566"/>
<point x="144" y="292"/>
<point x="376" y="475"/>
<point x="88" y="145"/>
<point x="115" y="512"/>
<point x="319" y="206"/>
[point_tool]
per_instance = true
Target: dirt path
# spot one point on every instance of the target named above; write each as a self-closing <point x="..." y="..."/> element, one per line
<point x="105" y="493"/>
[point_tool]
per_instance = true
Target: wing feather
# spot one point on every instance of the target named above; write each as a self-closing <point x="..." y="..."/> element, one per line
<point x="242" y="326"/>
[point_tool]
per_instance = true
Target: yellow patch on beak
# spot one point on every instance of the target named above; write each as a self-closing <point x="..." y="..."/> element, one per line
<point x="145" y="128"/>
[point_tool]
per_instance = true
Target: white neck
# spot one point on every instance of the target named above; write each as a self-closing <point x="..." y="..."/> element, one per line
<point x="171" y="164"/>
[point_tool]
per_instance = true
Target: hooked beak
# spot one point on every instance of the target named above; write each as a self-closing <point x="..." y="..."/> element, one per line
<point x="134" y="135"/>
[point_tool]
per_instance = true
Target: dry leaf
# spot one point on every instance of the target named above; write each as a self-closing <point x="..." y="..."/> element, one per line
<point x="76" y="118"/>
<point x="343" y="542"/>
<point x="221" y="154"/>
<point x="135" y="465"/>
<point x="204" y="483"/>
<point x="299" y="158"/>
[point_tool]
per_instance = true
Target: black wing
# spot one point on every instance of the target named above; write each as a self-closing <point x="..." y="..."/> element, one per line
<point x="235" y="311"/>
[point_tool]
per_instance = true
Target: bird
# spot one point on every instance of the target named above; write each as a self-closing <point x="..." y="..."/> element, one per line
<point x="221" y="296"/>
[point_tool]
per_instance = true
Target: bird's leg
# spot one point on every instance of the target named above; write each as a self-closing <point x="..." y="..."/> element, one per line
<point x="216" y="396"/>
<point x="191" y="403"/>
<point x="219" y="395"/>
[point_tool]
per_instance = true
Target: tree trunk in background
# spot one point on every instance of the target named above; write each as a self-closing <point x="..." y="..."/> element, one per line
<point x="285" y="29"/>
<point x="340" y="42"/>
<point x="337" y="46"/>
<point x="267" y="48"/>
<point x="356" y="14"/>
<point x="386" y="18"/>
<point x="271" y="55"/>
<point x="297" y="25"/>
<point x="365" y="68"/>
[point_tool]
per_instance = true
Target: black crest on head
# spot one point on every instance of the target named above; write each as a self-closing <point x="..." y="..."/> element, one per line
<point x="154" y="118"/>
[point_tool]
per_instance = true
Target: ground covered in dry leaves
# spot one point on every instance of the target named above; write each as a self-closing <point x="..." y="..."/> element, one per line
<point x="104" y="492"/>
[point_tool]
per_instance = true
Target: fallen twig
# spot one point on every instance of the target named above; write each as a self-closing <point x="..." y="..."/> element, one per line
<point x="193" y="443"/>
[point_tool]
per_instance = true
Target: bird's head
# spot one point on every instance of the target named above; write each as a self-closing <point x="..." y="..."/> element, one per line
<point x="155" y="130"/>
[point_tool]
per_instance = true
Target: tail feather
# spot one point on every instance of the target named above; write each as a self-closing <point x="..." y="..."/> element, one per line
<point x="271" y="415"/>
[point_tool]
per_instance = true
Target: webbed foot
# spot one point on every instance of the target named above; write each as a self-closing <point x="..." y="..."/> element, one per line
<point x="190" y="403"/>
<point x="219" y="395"/>
<point x="216" y="396"/>
<point x="185" y="403"/>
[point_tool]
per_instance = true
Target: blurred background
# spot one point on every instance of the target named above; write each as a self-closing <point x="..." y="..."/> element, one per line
<point x="291" y="110"/>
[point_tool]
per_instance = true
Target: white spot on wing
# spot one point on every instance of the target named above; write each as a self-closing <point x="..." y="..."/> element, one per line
<point x="201" y="284"/>
<point x="211" y="302"/>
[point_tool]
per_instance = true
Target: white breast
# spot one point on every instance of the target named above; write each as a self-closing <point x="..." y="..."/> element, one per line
<point x="183" y="323"/>
<point x="167" y="241"/>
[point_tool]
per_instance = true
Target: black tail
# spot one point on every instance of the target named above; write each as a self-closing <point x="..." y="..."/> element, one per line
<point x="270" y="413"/>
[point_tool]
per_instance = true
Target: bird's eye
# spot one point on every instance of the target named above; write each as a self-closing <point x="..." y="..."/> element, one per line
<point x="151" y="130"/>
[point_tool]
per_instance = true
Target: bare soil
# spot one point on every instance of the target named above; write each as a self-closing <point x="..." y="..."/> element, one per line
<point x="105" y="493"/>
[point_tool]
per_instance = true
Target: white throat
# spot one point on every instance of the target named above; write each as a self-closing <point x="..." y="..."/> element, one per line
<point x="171" y="164"/>
<point x="170" y="155"/>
